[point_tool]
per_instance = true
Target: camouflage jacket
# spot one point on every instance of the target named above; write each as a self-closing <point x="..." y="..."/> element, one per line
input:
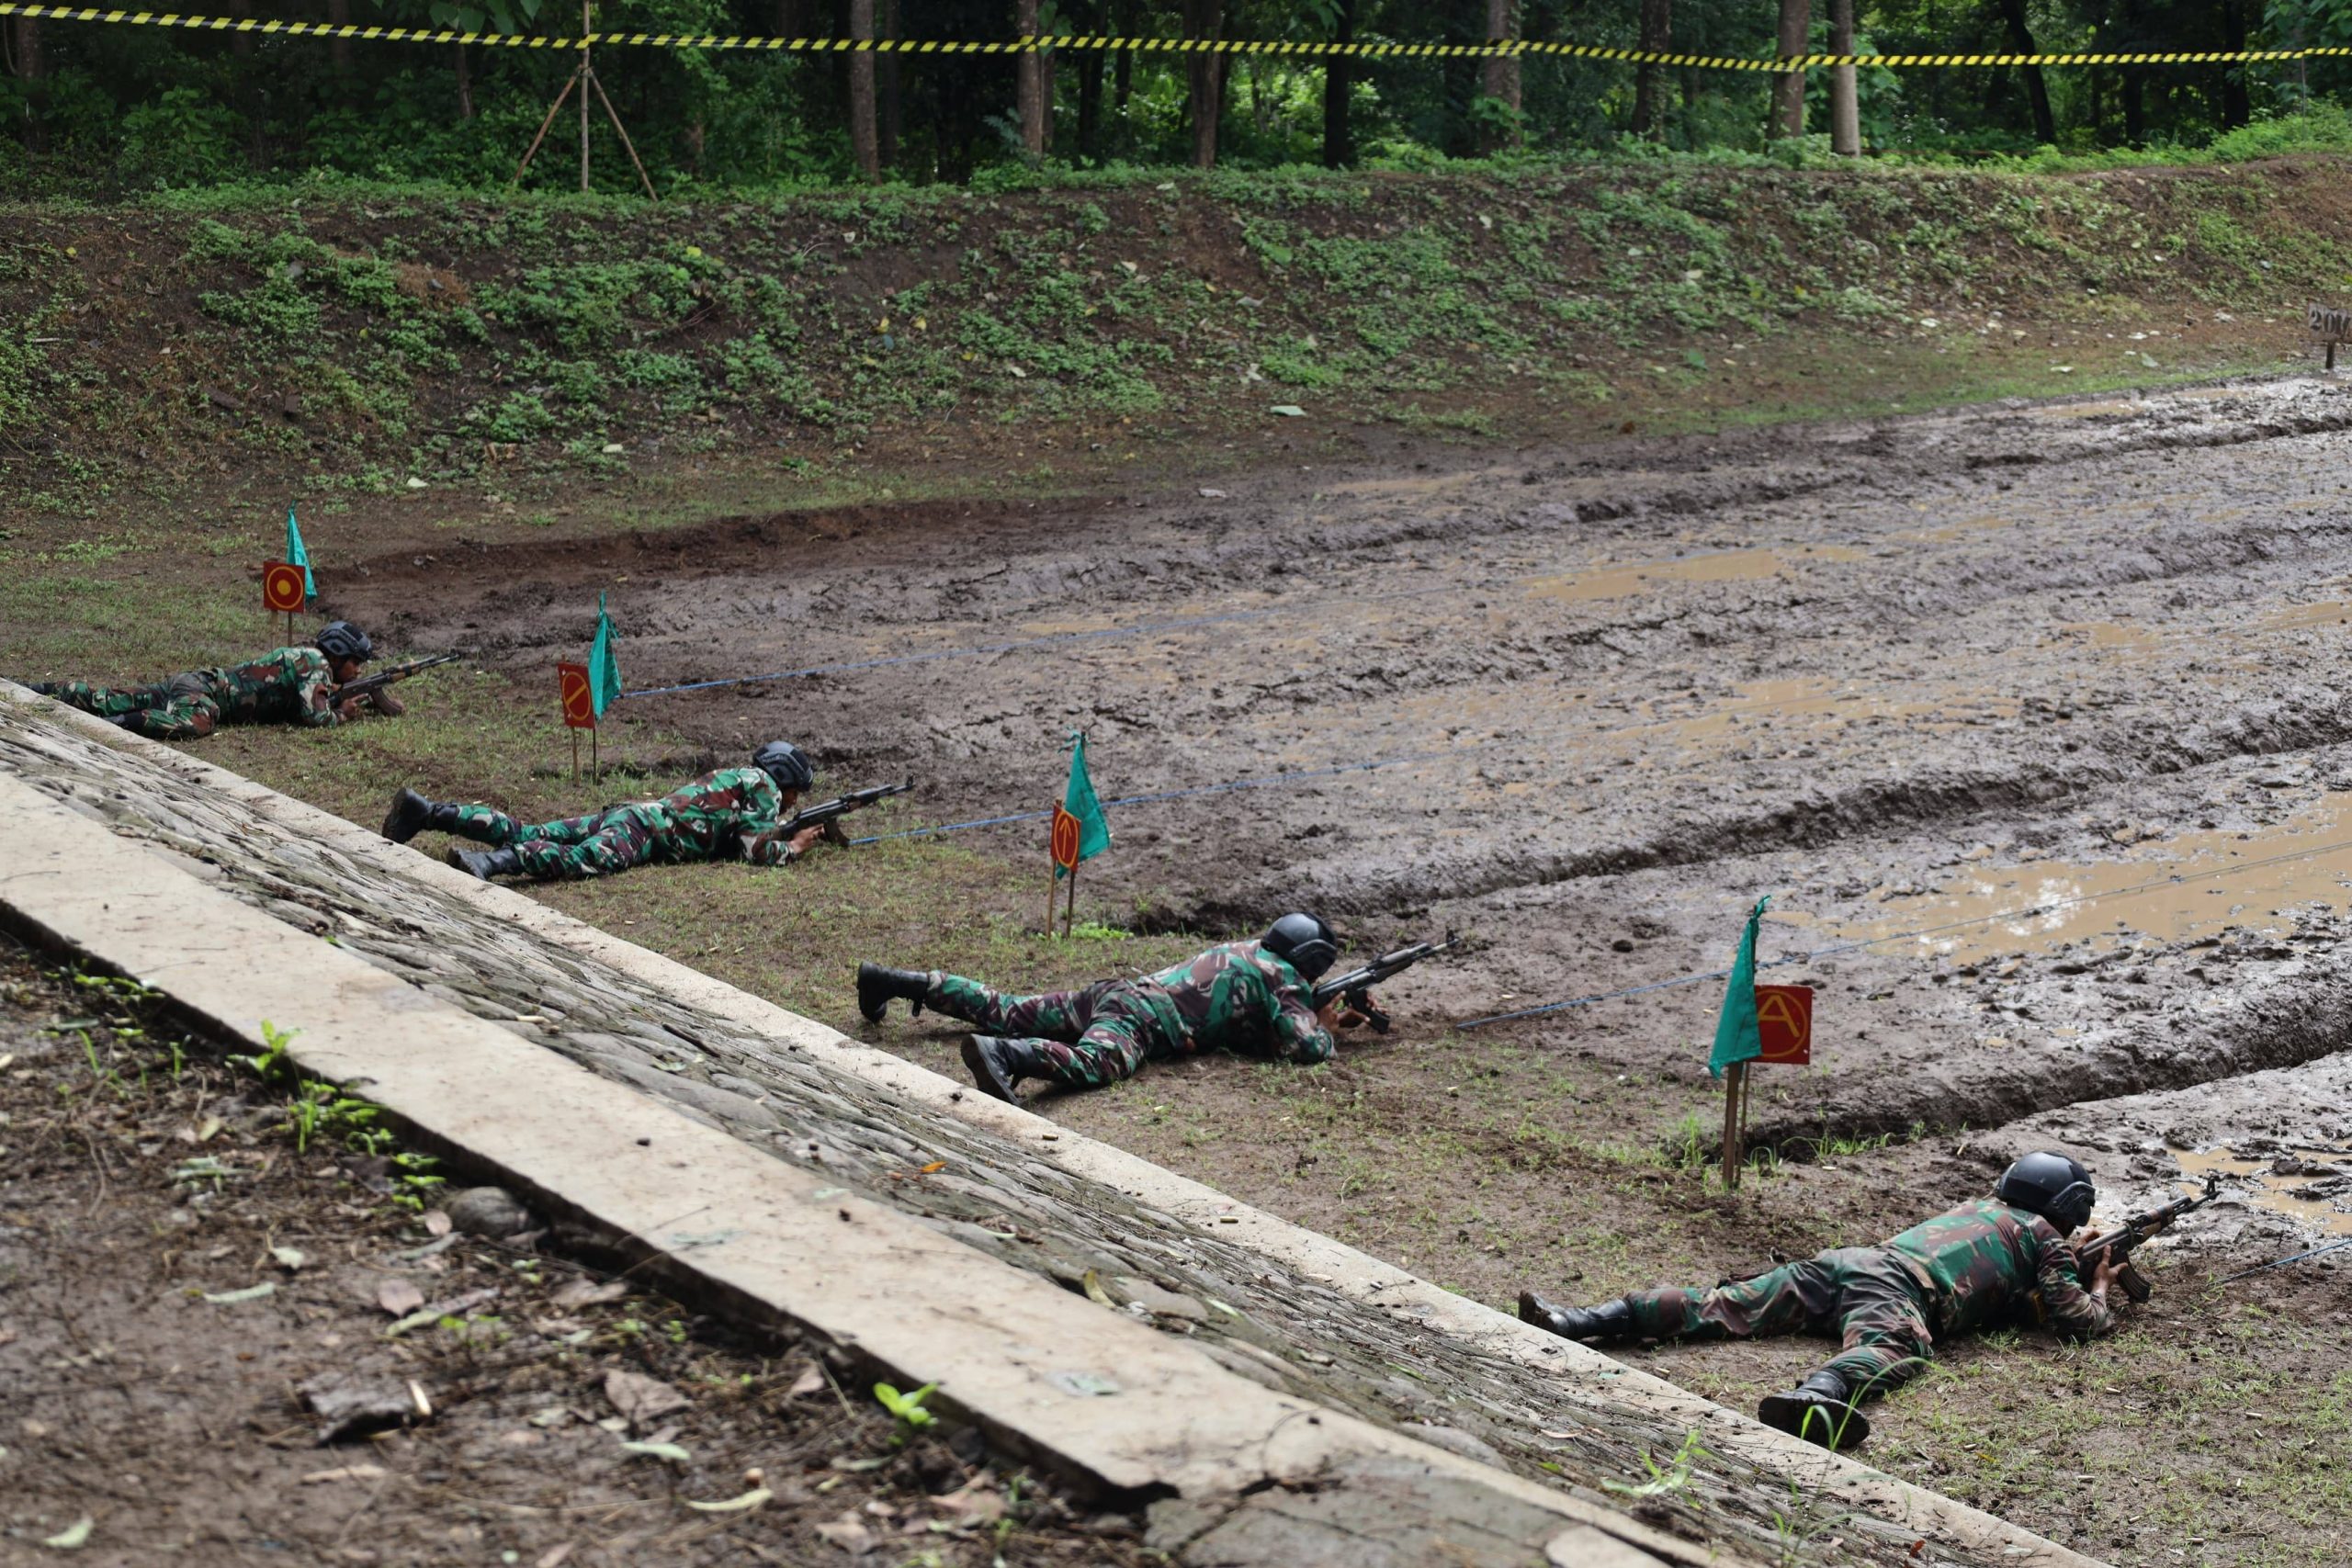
<point x="290" y="686"/>
<point x="1240" y="998"/>
<point x="710" y="818"/>
<point x="1988" y="1263"/>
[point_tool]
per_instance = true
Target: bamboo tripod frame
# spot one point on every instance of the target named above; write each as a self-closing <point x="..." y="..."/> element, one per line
<point x="583" y="76"/>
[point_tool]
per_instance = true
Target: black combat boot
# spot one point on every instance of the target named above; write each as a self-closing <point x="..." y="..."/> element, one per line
<point x="877" y="986"/>
<point x="487" y="863"/>
<point x="998" y="1063"/>
<point x="1820" y="1410"/>
<point x="411" y="813"/>
<point x="1609" y="1322"/>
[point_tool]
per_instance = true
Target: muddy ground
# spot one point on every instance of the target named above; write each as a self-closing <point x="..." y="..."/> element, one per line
<point x="153" y="1408"/>
<point x="1899" y="675"/>
<point x="1903" y="676"/>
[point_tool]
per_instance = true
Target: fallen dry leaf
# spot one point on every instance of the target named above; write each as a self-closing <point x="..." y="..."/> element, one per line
<point x="642" y="1398"/>
<point x="399" y="1297"/>
<point x="435" y="1222"/>
<point x="849" y="1533"/>
<point x="553" y="1557"/>
<point x="810" y="1381"/>
<point x="344" y="1472"/>
<point x="976" y="1503"/>
<point x="587" y="1292"/>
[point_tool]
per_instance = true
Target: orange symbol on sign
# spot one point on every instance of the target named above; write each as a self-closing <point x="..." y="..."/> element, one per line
<point x="578" y="697"/>
<point x="1064" y="840"/>
<point x="282" y="588"/>
<point x="1784" y="1024"/>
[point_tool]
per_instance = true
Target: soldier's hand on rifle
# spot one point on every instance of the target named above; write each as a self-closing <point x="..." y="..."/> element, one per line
<point x="2109" y="1270"/>
<point x="1336" y="1014"/>
<point x="348" y="709"/>
<point x="806" y="839"/>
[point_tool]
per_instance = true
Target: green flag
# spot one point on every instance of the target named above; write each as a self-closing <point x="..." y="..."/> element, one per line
<point x="297" y="556"/>
<point x="604" y="668"/>
<point x="1079" y="801"/>
<point x="1737" y="1039"/>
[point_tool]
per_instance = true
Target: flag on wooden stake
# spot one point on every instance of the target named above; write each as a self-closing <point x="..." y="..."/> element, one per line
<point x="1737" y="1036"/>
<point x="1080" y="801"/>
<point x="603" y="666"/>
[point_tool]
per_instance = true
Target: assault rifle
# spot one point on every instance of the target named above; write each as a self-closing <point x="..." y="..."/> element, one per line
<point x="2117" y="1246"/>
<point x="1355" y="986"/>
<point x="827" y="814"/>
<point x="392" y="675"/>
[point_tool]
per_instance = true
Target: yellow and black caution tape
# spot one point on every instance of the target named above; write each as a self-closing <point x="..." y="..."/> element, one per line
<point x="1088" y="42"/>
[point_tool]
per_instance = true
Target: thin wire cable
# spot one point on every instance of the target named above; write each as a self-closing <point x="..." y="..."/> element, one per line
<point x="1146" y="628"/>
<point x="1269" y="780"/>
<point x="1916" y="931"/>
<point x="2282" y="1262"/>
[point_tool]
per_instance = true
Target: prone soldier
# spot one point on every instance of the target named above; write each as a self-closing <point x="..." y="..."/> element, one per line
<point x="1980" y="1265"/>
<point x="288" y="685"/>
<point x="727" y="814"/>
<point x="1256" y="998"/>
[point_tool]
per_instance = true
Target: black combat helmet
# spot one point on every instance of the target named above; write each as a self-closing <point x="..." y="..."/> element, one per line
<point x="1307" y="943"/>
<point x="786" y="764"/>
<point x="341" y="640"/>
<point x="2051" y="1185"/>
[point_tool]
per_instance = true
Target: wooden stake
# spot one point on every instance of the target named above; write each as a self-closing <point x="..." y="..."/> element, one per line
<point x="554" y="110"/>
<point x="1069" y="913"/>
<point x="1735" y="1079"/>
<point x="595" y="768"/>
<point x="1051" y="869"/>
<point x="575" y="756"/>
<point x="618" y="129"/>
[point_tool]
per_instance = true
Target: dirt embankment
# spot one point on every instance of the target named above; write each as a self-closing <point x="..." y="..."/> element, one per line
<point x="395" y="336"/>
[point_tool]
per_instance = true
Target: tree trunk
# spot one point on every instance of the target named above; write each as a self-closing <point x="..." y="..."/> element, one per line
<point x="1649" y="80"/>
<point x="1204" y="79"/>
<point x="2036" y="92"/>
<point x="33" y="72"/>
<point x="2237" y="104"/>
<point x="2135" y="104"/>
<point x="1089" y="88"/>
<point x="887" y="89"/>
<point x="339" y="49"/>
<point x="1845" y="105"/>
<point x="1338" y="83"/>
<point x="862" y="143"/>
<point x="1126" y="18"/>
<point x="1030" y="80"/>
<point x="1499" y="78"/>
<point x="1788" y="87"/>
<point x="465" y="84"/>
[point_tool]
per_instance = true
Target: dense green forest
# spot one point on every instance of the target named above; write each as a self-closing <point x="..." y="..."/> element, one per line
<point x="98" y="106"/>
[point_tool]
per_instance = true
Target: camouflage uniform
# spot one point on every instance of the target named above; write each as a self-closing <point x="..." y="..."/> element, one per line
<point x="1979" y="1264"/>
<point x="291" y="685"/>
<point x="727" y="814"/>
<point x="1238" y="998"/>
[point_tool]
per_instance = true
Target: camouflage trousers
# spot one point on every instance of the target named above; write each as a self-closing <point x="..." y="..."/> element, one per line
<point x="1864" y="1295"/>
<point x="176" y="709"/>
<point x="1086" y="1038"/>
<point x="571" y="848"/>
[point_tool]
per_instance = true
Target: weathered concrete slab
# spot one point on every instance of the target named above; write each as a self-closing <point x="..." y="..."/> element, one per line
<point x="1286" y="1315"/>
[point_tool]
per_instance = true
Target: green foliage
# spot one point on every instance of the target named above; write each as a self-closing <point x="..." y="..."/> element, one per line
<point x="907" y="1407"/>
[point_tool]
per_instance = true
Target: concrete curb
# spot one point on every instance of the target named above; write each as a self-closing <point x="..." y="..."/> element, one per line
<point x="1584" y="1375"/>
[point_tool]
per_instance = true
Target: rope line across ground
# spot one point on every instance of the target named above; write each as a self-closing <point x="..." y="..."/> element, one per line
<point x="1048" y="43"/>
